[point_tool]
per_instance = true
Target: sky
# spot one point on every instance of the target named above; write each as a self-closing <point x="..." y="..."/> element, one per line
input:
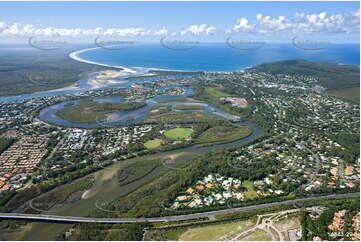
<point x="337" y="22"/>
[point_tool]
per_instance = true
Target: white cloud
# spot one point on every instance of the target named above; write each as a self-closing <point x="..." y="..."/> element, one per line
<point x="348" y="22"/>
<point x="162" y="32"/>
<point x="242" y="25"/>
<point x="26" y="30"/>
<point x="202" y="29"/>
<point x="322" y="22"/>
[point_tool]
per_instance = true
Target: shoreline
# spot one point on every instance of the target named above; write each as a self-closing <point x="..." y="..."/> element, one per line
<point x="74" y="55"/>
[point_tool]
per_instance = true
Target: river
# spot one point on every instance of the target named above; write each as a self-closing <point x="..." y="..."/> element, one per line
<point x="106" y="187"/>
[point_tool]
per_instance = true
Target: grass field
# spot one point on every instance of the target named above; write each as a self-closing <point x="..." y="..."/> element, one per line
<point x="216" y="92"/>
<point x="352" y="94"/>
<point x="221" y="134"/>
<point x="178" y="133"/>
<point x="250" y="193"/>
<point x="164" y="114"/>
<point x="152" y="144"/>
<point x="174" y="234"/>
<point x="248" y="184"/>
<point x="215" y="232"/>
<point x="89" y="111"/>
<point x="258" y="235"/>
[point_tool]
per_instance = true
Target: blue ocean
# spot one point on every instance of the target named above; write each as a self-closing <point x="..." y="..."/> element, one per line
<point x="203" y="57"/>
<point x="217" y="57"/>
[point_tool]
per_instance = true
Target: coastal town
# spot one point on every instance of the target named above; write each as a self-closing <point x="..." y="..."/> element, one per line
<point x="212" y="190"/>
<point x="303" y="148"/>
<point x="304" y="158"/>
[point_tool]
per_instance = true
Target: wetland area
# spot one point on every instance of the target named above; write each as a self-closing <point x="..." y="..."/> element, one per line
<point x="106" y="181"/>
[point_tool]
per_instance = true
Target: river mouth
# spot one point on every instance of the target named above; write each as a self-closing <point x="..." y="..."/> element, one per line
<point x="106" y="186"/>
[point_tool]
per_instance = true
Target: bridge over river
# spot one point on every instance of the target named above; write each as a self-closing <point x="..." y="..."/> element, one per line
<point x="211" y="214"/>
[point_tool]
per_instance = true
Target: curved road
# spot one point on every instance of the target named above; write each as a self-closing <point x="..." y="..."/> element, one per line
<point x="55" y="218"/>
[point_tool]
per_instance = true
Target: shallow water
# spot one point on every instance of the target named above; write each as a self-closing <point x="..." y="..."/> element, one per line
<point x="122" y="118"/>
<point x="218" y="56"/>
<point x="106" y="187"/>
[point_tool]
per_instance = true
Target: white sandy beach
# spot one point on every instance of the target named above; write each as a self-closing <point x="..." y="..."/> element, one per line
<point x="134" y="70"/>
<point x="72" y="87"/>
<point x="126" y="71"/>
<point x="96" y="83"/>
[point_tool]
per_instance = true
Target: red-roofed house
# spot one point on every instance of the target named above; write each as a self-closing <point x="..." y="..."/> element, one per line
<point x="199" y="187"/>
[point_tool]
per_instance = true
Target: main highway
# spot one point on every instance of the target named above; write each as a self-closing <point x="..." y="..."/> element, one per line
<point x="211" y="214"/>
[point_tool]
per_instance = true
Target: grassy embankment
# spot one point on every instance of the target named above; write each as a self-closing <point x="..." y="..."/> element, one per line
<point x="178" y="133"/>
<point x="165" y="115"/>
<point x="224" y="134"/>
<point x="153" y="144"/>
<point x="89" y="111"/>
<point x="217" y="93"/>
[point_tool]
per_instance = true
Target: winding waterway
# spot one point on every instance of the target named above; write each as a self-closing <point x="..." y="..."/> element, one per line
<point x="106" y="187"/>
<point x="48" y="114"/>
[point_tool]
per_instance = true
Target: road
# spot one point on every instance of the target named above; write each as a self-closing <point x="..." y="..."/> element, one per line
<point x="315" y="157"/>
<point x="55" y="218"/>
